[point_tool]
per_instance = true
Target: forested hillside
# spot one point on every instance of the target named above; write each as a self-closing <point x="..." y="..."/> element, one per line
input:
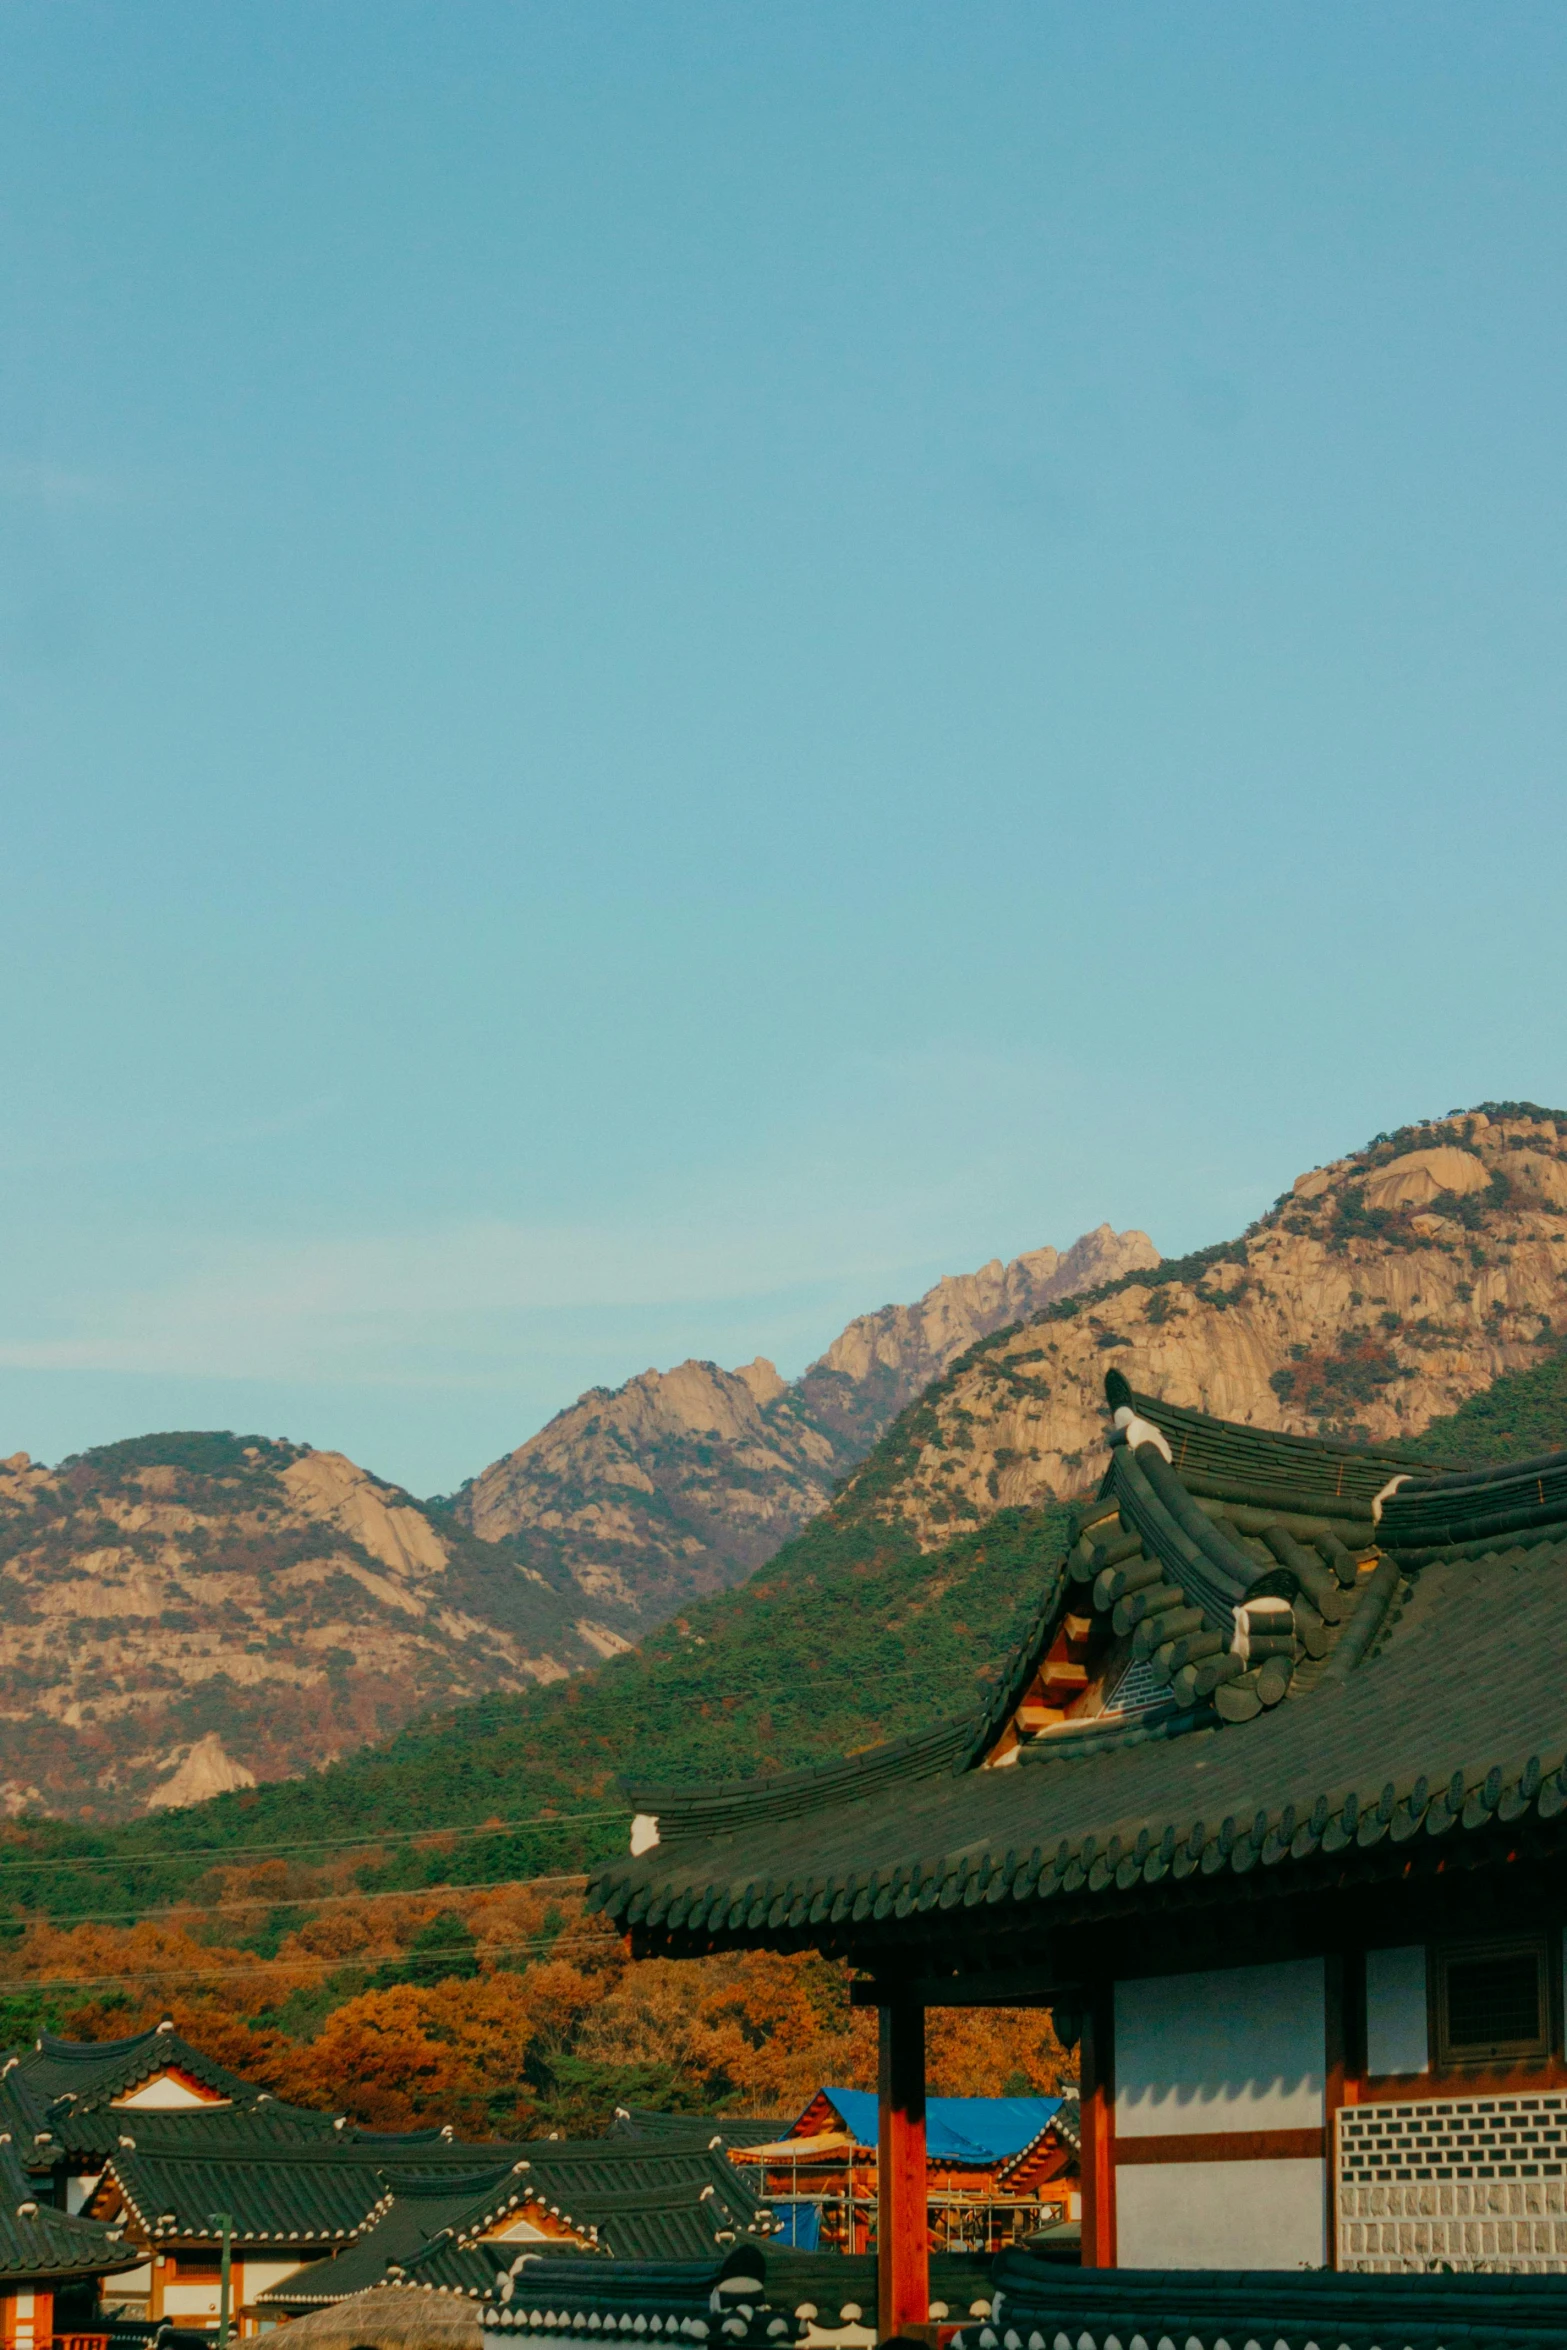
<point x="896" y="1602"/>
<point x="852" y="1634"/>
<point x="191" y="1612"/>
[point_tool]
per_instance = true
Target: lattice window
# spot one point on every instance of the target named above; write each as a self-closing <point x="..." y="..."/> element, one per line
<point x="1491" y="2001"/>
<point x="1459" y="2182"/>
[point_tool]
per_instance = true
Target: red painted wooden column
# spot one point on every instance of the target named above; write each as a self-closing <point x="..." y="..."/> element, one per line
<point x="902" y="2248"/>
<point x="1097" y="2059"/>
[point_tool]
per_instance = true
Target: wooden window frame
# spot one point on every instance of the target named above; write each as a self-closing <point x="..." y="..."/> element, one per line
<point x="1481" y="2056"/>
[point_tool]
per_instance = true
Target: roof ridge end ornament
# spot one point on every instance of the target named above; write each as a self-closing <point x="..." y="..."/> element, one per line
<point x="1127" y="1423"/>
<point x="1136" y="1431"/>
<point x="1387" y="1493"/>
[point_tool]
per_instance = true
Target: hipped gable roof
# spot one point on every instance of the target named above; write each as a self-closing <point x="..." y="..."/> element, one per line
<point x="1333" y="1648"/>
<point x="97" y="2072"/>
<point x="421" y="2212"/>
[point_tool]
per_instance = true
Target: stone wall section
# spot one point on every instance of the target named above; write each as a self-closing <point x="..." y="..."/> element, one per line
<point x="1457" y="2183"/>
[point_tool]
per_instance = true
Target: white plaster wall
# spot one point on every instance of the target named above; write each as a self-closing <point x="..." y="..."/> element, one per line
<point x="132" y="2284"/>
<point x="1396" y="2034"/>
<point x="190" y="2301"/>
<point x="255" y="2277"/>
<point x="1221" y="2214"/>
<point x="1233" y="2048"/>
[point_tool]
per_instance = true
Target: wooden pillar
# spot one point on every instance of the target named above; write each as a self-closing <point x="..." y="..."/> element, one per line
<point x="1098" y="2111"/>
<point x="1344" y="2066"/>
<point x="902" y="2195"/>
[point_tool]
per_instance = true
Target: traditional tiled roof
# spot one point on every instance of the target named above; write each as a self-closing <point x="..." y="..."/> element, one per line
<point x="1222" y="1572"/>
<point x="570" y="2300"/>
<point x="269" y="2123"/>
<point x="37" y="2241"/>
<point x="419" y="2214"/>
<point x="635" y="2191"/>
<point x="667" y="2221"/>
<point x="327" y="2187"/>
<point x="279" y="2195"/>
<point x="726" y="2129"/>
<point x="96" y="2072"/>
<point x="835" y="2290"/>
<point x="1068" y="2124"/>
<point x="658" y="2199"/>
<point x="58" y="2101"/>
<point x="31" y="2123"/>
<point x="1041" y="2305"/>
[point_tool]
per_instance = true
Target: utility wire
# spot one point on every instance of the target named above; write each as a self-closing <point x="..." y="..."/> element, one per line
<point x="245" y="1909"/>
<point x="237" y="1855"/>
<point x="13" y="1984"/>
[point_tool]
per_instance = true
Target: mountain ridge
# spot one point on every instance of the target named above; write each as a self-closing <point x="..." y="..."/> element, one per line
<point x="683" y="1482"/>
<point x="188" y="1613"/>
<point x="876" y="1620"/>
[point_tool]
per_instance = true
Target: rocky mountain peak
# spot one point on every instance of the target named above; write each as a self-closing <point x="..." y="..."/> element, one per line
<point x="1379" y="1293"/>
<point x="684" y="1481"/>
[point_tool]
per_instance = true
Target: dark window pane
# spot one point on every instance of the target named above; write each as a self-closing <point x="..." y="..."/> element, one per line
<point x="1493" y="1999"/>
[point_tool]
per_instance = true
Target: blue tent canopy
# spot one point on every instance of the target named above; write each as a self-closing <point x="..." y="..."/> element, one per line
<point x="957" y="2129"/>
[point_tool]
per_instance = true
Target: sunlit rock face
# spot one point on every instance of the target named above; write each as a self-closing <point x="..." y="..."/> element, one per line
<point x="683" y="1482"/>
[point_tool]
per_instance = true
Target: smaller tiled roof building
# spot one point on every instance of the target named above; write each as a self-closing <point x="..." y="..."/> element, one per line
<point x="996" y="2168"/>
<point x="150" y="2139"/>
<point x="666" y="2198"/>
<point x="52" y="2263"/>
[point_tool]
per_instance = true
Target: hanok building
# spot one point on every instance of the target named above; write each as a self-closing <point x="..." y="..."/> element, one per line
<point x="1290" y="1841"/>
<point x="151" y="2137"/>
<point x="997" y="2169"/>
<point x="375" y="2204"/>
<point x="52" y="2266"/>
<point x="66" y="2103"/>
<point x="674" y="2199"/>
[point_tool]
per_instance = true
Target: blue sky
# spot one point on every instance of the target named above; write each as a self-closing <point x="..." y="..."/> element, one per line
<point x="664" y="669"/>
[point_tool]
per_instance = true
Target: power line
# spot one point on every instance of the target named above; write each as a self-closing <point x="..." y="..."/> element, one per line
<point x="15" y="1984"/>
<point x="245" y="1909"/>
<point x="237" y="1855"/>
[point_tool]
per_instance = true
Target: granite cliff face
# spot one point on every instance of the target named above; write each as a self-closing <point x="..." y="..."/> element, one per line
<point x="1380" y="1292"/>
<point x="882" y="1361"/>
<point x="181" y="1615"/>
<point x="683" y="1482"/>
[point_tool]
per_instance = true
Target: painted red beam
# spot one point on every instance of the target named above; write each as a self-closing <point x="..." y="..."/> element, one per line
<point x="902" y="2245"/>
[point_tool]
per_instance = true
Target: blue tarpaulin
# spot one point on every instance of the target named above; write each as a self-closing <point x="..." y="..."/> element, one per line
<point x="799" y="2224"/>
<point x="957" y="2129"/>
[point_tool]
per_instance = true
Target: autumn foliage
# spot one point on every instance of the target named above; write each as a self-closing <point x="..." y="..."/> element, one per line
<point x="504" y="2011"/>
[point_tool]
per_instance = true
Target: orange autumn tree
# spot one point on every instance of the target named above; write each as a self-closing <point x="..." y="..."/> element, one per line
<point x="553" y="2027"/>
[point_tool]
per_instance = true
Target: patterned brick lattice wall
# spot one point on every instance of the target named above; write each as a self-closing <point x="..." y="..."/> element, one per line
<point x="1460" y="2183"/>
